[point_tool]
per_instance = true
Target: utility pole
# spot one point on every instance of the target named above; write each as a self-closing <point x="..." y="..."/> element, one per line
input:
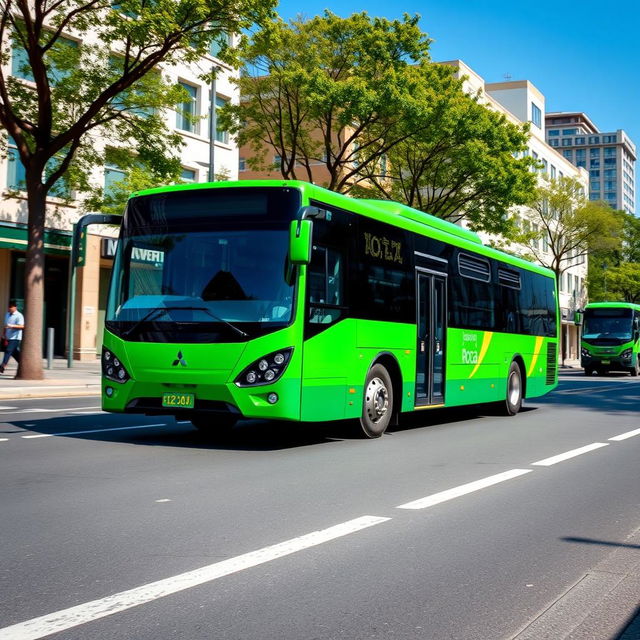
<point x="213" y="125"/>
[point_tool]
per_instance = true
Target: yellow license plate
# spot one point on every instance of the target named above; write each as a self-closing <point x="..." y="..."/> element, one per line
<point x="179" y="400"/>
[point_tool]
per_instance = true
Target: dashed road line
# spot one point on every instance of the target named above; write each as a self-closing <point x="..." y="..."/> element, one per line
<point x="90" y="431"/>
<point x="89" y="611"/>
<point x="547" y="462"/>
<point x="624" y="436"/>
<point x="464" y="489"/>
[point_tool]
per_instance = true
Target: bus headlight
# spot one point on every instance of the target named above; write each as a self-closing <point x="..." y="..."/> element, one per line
<point x="112" y="368"/>
<point x="265" y="370"/>
<point x="585" y="352"/>
<point x="626" y="353"/>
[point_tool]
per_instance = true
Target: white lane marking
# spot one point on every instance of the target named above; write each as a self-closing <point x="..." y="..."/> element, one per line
<point x="7" y="408"/>
<point x="40" y="410"/>
<point x="4" y="439"/>
<point x="624" y="436"/>
<point x="462" y="490"/>
<point x="89" y="611"/>
<point x="90" y="431"/>
<point x="547" y="462"/>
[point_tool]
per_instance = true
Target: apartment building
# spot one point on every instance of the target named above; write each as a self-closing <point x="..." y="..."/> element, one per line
<point x="610" y="158"/>
<point x="93" y="279"/>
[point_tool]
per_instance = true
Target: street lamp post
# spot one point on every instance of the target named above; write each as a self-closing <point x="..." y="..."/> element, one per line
<point x="213" y="125"/>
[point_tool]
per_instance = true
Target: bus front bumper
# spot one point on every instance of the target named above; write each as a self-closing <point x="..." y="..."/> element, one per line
<point x="278" y="401"/>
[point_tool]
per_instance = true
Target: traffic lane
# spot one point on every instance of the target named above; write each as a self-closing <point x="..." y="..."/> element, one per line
<point x="220" y="502"/>
<point x="483" y="566"/>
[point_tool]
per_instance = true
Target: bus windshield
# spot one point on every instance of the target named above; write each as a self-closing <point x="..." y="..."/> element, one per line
<point x="607" y="323"/>
<point x="189" y="275"/>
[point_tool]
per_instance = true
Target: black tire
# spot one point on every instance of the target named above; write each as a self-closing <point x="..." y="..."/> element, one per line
<point x="635" y="369"/>
<point x="377" y="403"/>
<point x="588" y="371"/>
<point x="513" y="400"/>
<point x="213" y="424"/>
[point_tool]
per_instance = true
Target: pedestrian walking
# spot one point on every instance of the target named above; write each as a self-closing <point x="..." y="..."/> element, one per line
<point x="12" y="334"/>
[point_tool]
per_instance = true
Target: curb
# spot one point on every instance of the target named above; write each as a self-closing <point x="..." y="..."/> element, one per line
<point x="50" y="392"/>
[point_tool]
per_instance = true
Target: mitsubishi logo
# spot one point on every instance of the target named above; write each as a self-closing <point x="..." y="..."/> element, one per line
<point x="179" y="360"/>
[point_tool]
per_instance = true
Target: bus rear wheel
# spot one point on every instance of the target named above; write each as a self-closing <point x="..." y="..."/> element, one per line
<point x="513" y="401"/>
<point x="213" y="424"/>
<point x="377" y="404"/>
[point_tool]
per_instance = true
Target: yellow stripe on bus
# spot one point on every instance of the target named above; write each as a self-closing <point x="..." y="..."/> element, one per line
<point x="536" y="353"/>
<point x="483" y="351"/>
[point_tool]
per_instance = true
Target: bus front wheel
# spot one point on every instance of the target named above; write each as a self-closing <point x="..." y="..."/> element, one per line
<point x="635" y="369"/>
<point x="377" y="404"/>
<point x="513" y="401"/>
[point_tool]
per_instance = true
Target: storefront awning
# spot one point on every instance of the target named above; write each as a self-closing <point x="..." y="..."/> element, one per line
<point x="15" y="237"/>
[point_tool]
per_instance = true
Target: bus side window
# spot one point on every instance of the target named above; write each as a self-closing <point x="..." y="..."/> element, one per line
<point x="325" y="283"/>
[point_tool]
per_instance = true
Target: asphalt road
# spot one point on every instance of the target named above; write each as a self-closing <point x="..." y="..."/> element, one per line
<point x="456" y="525"/>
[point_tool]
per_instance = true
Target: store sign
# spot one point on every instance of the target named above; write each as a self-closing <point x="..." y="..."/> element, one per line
<point x="108" y="247"/>
<point x="138" y="254"/>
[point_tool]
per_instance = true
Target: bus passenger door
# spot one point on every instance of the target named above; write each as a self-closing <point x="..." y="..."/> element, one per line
<point x="431" y="314"/>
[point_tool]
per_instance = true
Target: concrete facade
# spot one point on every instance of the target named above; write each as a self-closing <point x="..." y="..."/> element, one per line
<point x="92" y="279"/>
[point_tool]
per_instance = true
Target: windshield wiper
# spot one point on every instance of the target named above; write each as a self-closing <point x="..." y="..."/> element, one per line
<point x="162" y="310"/>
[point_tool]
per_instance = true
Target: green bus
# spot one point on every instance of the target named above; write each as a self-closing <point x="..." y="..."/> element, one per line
<point x="284" y="301"/>
<point x="611" y="338"/>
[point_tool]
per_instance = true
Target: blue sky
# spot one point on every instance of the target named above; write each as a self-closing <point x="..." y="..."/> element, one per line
<point x="583" y="56"/>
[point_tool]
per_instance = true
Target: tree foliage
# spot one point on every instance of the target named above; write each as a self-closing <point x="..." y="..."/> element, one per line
<point x="623" y="282"/>
<point x="86" y="70"/>
<point x="565" y="226"/>
<point x="356" y="104"/>
<point x="602" y="262"/>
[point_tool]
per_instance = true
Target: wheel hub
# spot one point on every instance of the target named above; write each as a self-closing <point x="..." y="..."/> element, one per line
<point x="377" y="400"/>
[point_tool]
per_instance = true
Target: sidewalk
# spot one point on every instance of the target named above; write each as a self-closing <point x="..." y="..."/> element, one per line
<point x="83" y="379"/>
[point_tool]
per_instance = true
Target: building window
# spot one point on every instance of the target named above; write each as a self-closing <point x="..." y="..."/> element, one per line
<point x="113" y="174"/>
<point x="554" y="143"/>
<point x="242" y="164"/>
<point x="594" y="139"/>
<point x="594" y="164"/>
<point x="569" y="132"/>
<point x="581" y="154"/>
<point x="554" y="132"/>
<point x="536" y="114"/>
<point x="595" y="185"/>
<point x="221" y="136"/>
<point x="220" y="42"/>
<point x="553" y="172"/>
<point x="609" y="152"/>
<point x="609" y="185"/>
<point x="568" y="154"/>
<point x="188" y="110"/>
<point x="16" y="174"/>
<point x="608" y="139"/>
<point x="594" y="153"/>
<point x="188" y="175"/>
<point x="20" y="67"/>
<point x="579" y="141"/>
<point x="567" y="142"/>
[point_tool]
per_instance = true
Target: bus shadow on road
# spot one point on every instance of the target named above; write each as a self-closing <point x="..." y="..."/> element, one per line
<point x="247" y="435"/>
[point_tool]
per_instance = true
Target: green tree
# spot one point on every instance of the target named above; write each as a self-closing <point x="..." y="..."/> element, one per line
<point x="330" y="92"/>
<point x="602" y="261"/>
<point x="623" y="282"/>
<point x="564" y="227"/>
<point x="466" y="163"/>
<point x="64" y="94"/>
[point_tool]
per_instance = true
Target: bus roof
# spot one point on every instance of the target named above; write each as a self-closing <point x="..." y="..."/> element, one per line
<point x="612" y="305"/>
<point x="388" y="211"/>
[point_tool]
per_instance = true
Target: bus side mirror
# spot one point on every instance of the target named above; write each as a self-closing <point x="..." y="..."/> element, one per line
<point x="300" y="241"/>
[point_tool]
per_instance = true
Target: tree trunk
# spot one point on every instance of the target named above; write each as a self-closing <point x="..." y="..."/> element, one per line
<point x="31" y="350"/>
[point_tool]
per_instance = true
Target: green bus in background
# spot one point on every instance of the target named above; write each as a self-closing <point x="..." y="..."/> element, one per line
<point x="611" y="338"/>
<point x="282" y="300"/>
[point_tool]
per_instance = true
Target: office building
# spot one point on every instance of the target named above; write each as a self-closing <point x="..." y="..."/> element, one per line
<point x="610" y="158"/>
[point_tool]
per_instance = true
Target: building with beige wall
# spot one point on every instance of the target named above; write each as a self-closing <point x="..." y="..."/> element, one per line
<point x="92" y="279"/>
